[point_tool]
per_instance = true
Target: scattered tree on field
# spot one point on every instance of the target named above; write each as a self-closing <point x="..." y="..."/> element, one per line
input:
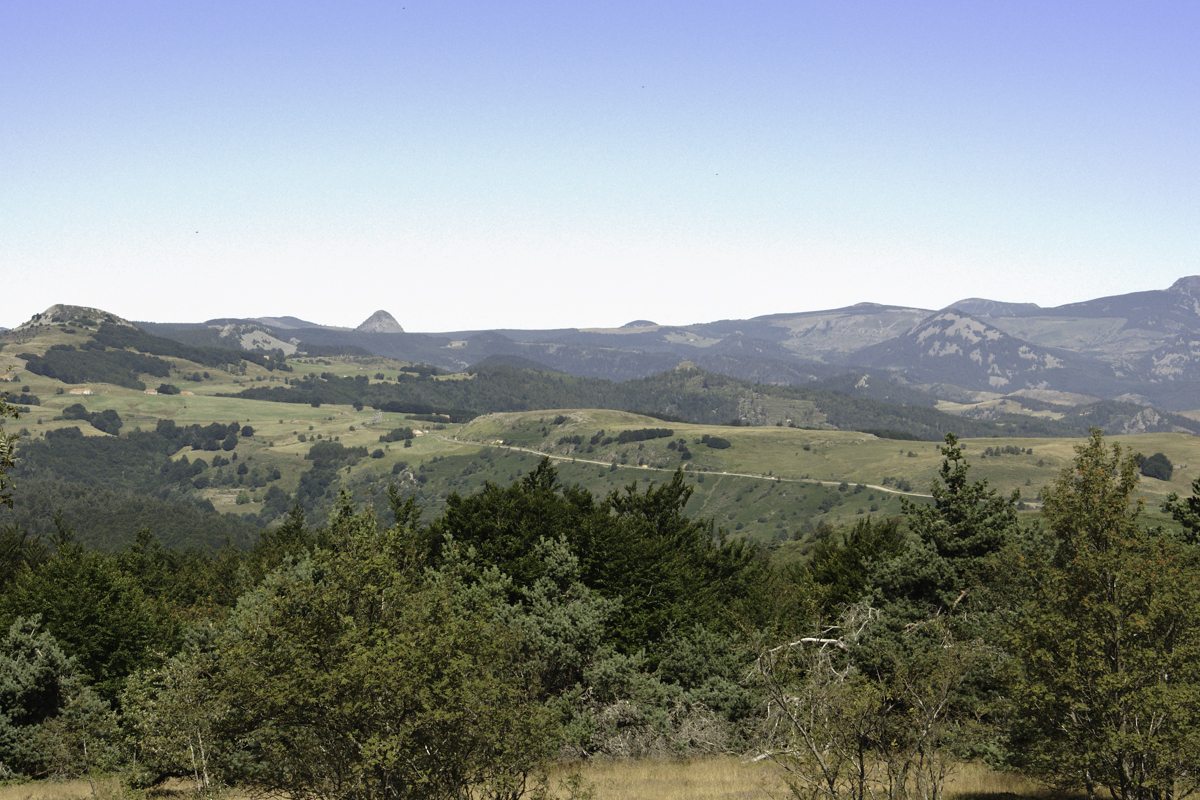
<point x="1157" y="466"/>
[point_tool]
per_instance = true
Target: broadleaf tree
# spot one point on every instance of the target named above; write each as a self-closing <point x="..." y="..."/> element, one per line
<point x="1109" y="643"/>
<point x="352" y="672"/>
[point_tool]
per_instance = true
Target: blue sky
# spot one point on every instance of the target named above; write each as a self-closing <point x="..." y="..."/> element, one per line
<point x="520" y="164"/>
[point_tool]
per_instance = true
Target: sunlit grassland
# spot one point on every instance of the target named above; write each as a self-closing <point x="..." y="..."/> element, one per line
<point x="774" y="483"/>
<point x="695" y="779"/>
<point x="791" y="453"/>
<point x="38" y="342"/>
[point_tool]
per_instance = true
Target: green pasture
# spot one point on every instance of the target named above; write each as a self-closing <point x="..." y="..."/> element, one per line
<point x="795" y="454"/>
<point x="773" y="483"/>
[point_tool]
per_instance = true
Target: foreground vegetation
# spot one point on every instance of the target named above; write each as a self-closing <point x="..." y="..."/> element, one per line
<point x="474" y="651"/>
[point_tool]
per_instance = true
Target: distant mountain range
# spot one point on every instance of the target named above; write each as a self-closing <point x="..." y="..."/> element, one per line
<point x="80" y="349"/>
<point x="1142" y="347"/>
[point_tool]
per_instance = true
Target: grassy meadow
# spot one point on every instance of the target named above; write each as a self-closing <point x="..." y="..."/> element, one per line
<point x="772" y="484"/>
<point x="819" y="457"/>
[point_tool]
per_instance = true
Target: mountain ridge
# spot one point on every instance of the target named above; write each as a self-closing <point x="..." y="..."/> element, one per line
<point x="1143" y="345"/>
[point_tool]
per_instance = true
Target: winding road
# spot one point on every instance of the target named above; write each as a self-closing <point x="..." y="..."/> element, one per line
<point x="750" y="475"/>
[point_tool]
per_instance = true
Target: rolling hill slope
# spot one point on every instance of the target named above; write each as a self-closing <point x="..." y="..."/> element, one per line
<point x="207" y="444"/>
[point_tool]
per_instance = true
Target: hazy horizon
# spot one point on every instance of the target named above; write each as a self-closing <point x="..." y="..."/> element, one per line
<point x="662" y="321"/>
<point x="536" y="165"/>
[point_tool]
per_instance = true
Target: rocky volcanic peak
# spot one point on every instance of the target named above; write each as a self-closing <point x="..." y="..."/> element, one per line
<point x="380" y="322"/>
<point x="81" y="316"/>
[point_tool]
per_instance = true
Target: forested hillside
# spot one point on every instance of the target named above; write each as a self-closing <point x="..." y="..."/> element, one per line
<point x="686" y="394"/>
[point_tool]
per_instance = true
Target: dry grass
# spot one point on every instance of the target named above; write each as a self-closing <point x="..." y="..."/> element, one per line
<point x="697" y="779"/>
<point x="101" y="789"/>
<point x="977" y="782"/>
<point x="731" y="779"/>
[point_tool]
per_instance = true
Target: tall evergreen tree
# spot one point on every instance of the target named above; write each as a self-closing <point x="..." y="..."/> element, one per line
<point x="1186" y="512"/>
<point x="51" y="723"/>
<point x="957" y="538"/>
